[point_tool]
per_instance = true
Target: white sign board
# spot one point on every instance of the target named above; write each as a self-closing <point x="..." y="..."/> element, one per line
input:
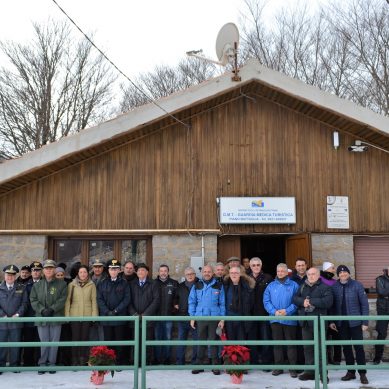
<point x="257" y="210"/>
<point x="337" y="212"/>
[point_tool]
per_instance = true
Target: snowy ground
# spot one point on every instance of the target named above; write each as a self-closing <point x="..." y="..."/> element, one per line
<point x="183" y="380"/>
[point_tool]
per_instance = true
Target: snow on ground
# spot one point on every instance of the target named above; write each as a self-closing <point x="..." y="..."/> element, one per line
<point x="183" y="380"/>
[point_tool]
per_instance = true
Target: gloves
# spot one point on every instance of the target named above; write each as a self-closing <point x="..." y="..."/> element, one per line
<point x="47" y="312"/>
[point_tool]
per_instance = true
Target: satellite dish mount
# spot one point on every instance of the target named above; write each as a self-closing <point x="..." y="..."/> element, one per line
<point x="227" y="43"/>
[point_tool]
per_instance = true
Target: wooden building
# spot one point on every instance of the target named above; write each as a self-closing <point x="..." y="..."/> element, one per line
<point x="147" y="185"/>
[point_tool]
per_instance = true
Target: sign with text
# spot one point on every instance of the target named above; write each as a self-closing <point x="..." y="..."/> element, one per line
<point x="257" y="210"/>
<point x="337" y="212"/>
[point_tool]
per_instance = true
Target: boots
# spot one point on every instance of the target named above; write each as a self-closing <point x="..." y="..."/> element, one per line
<point x="349" y="376"/>
<point x="364" y="379"/>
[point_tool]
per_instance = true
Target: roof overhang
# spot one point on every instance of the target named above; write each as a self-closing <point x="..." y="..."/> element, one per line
<point x="256" y="80"/>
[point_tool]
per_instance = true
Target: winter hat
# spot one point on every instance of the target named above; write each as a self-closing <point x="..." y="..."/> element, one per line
<point x="342" y="268"/>
<point x="59" y="270"/>
<point x="327" y="265"/>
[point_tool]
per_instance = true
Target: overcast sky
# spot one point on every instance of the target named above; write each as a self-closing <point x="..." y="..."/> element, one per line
<point x="136" y="35"/>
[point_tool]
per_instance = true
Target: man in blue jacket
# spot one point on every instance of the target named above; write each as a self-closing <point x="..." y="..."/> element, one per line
<point x="207" y="298"/>
<point x="277" y="300"/>
<point x="350" y="300"/>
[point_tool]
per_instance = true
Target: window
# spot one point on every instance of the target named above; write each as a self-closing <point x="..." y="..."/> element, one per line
<point x="71" y="250"/>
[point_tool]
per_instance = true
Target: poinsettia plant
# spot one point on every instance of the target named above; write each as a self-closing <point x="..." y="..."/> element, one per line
<point x="102" y="356"/>
<point x="235" y="355"/>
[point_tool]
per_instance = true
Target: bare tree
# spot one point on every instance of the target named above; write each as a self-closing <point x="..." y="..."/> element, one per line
<point x="52" y="87"/>
<point x="164" y="81"/>
<point x="342" y="48"/>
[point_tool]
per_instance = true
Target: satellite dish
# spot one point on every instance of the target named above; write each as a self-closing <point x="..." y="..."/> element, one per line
<point x="227" y="42"/>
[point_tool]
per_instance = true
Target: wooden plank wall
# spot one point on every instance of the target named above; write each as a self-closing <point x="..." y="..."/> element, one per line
<point x="170" y="179"/>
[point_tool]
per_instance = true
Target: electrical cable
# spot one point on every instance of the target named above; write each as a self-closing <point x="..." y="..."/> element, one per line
<point x="120" y="71"/>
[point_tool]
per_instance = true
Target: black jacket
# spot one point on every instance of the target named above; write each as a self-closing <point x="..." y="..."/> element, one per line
<point x="168" y="298"/>
<point x="144" y="300"/>
<point x="261" y="282"/>
<point x="113" y="298"/>
<point x="321" y="297"/>
<point x="182" y="296"/>
<point x="382" y="285"/>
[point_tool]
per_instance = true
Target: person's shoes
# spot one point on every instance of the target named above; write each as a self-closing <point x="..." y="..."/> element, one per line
<point x="52" y="372"/>
<point x="306" y="377"/>
<point x="277" y="372"/>
<point x="293" y="373"/>
<point x="197" y="371"/>
<point x="215" y="372"/>
<point x="364" y="379"/>
<point x="245" y="372"/>
<point x="376" y="361"/>
<point x="348" y="377"/>
<point x="41" y="372"/>
<point x="337" y="363"/>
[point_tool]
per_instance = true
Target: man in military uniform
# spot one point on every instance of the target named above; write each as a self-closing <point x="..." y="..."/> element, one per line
<point x="48" y="298"/>
<point x="113" y="297"/>
<point x="13" y="303"/>
<point x="98" y="271"/>
<point x="25" y="275"/>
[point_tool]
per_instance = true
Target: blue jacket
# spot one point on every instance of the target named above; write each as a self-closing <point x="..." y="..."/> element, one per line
<point x="279" y="295"/>
<point x="356" y="301"/>
<point x="207" y="299"/>
<point x="12" y="302"/>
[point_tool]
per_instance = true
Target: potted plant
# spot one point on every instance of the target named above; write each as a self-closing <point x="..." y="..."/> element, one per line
<point x="236" y="355"/>
<point x="101" y="356"/>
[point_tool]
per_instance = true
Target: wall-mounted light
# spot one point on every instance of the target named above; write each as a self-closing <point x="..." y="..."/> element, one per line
<point x="358" y="147"/>
<point x="335" y="139"/>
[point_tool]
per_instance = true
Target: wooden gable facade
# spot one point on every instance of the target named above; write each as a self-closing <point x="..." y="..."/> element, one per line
<point x="169" y="178"/>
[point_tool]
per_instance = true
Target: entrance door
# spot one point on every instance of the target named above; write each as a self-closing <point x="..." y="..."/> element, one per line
<point x="298" y="246"/>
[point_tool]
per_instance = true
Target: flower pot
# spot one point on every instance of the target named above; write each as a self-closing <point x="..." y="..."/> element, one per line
<point x="97" y="377"/>
<point x="235" y="379"/>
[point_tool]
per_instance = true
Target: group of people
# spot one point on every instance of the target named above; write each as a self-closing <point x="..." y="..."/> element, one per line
<point x="232" y="289"/>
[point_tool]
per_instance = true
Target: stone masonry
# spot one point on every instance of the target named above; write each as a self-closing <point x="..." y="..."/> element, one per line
<point x="176" y="250"/>
<point x="22" y="249"/>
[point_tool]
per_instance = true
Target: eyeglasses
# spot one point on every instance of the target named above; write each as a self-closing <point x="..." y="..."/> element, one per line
<point x="190" y="274"/>
<point x="255" y="264"/>
<point x="233" y="272"/>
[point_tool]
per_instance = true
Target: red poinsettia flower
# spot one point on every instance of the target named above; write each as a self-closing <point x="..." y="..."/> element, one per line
<point x="235" y="355"/>
<point x="102" y="356"/>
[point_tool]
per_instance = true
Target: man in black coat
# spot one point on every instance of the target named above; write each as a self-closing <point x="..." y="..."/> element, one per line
<point x="184" y="328"/>
<point x="382" y="285"/>
<point x="313" y="298"/>
<point x="145" y="300"/>
<point x="261" y="330"/>
<point x="113" y="298"/>
<point x="163" y="329"/>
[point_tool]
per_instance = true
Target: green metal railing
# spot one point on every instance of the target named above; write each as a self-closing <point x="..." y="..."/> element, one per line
<point x="324" y="342"/>
<point x="149" y="343"/>
<point x="93" y="319"/>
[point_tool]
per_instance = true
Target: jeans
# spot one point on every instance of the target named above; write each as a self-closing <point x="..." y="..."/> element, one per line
<point x="162" y="331"/>
<point x="184" y="330"/>
<point x="10" y="335"/>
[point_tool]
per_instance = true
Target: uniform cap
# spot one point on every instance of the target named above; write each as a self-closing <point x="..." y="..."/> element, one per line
<point x="49" y="263"/>
<point x="233" y="259"/>
<point x="36" y="265"/>
<point x="11" y="269"/>
<point x="113" y="263"/>
<point x="98" y="262"/>
<point x="26" y="267"/>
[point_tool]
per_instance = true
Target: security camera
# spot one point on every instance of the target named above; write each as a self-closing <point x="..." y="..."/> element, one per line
<point x="358" y="147"/>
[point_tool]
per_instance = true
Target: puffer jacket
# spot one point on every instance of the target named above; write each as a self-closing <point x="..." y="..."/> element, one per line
<point x="279" y="295"/>
<point x="356" y="301"/>
<point x="321" y="297"/>
<point x="113" y="296"/>
<point x="12" y="302"/>
<point x="81" y="301"/>
<point x="207" y="299"/>
<point x="48" y="294"/>
<point x="382" y="285"/>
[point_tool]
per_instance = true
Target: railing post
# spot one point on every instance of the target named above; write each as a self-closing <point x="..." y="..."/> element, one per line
<point x="143" y="350"/>
<point x="323" y="350"/>
<point x="316" y="351"/>
<point x="136" y="352"/>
